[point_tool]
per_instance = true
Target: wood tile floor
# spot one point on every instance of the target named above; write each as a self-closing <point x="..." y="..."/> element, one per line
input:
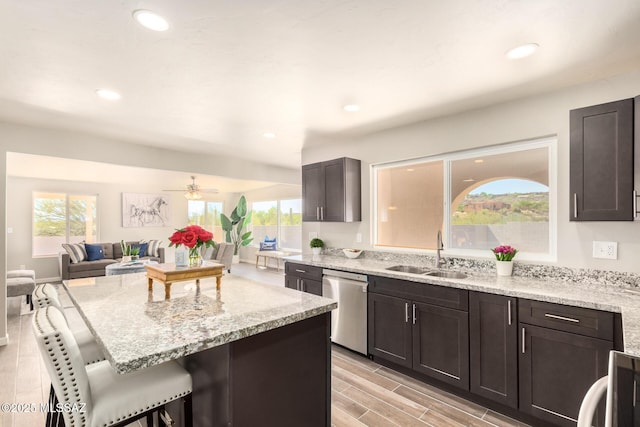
<point x="367" y="394"/>
<point x="363" y="392"/>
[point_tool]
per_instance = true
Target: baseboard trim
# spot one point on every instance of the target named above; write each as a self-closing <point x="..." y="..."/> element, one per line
<point x="4" y="340"/>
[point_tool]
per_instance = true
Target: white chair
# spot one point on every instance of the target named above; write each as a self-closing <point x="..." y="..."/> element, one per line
<point x="45" y="295"/>
<point x="105" y="398"/>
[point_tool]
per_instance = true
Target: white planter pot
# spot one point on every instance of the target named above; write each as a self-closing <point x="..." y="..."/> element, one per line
<point x="236" y="259"/>
<point x="504" y="268"/>
<point x="126" y="258"/>
<point x="316" y="251"/>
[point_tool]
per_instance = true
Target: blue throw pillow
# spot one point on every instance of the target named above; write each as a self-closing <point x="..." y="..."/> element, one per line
<point x="268" y="240"/>
<point x="94" y="252"/>
<point x="143" y="249"/>
<point x="267" y="246"/>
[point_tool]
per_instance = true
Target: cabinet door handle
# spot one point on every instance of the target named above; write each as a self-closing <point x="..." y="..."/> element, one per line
<point x="301" y="271"/>
<point x="318" y="213"/>
<point x="406" y="312"/>
<point x="321" y="213"/>
<point x="302" y="285"/>
<point x="509" y="312"/>
<point x="523" y="344"/>
<point x="575" y="205"/>
<point x="297" y="284"/>
<point x="566" y="319"/>
<point x="635" y="204"/>
<point x="414" y="313"/>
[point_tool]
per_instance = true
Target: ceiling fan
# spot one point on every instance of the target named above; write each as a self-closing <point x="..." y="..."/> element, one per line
<point x="193" y="190"/>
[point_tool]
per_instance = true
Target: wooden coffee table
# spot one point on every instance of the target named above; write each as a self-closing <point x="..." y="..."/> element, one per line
<point x="169" y="273"/>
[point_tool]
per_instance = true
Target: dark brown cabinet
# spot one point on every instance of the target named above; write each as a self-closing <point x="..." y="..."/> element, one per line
<point x="601" y="162"/>
<point x="389" y="329"/>
<point x="563" y="350"/>
<point x="493" y="331"/>
<point x="331" y="191"/>
<point x="420" y="326"/>
<point x="303" y="278"/>
<point x="441" y="343"/>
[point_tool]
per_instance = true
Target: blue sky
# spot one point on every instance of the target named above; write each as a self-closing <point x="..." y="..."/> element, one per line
<point x="511" y="186"/>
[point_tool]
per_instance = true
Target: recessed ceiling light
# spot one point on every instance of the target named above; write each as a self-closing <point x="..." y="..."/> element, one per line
<point x="478" y="161"/>
<point x="269" y="135"/>
<point x="108" y="94"/>
<point x="468" y="180"/>
<point x="522" y="51"/>
<point x="150" y="20"/>
<point x="393" y="208"/>
<point x="352" y="108"/>
<point x="410" y="170"/>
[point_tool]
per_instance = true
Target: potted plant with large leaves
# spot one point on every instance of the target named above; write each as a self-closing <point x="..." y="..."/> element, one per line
<point x="234" y="226"/>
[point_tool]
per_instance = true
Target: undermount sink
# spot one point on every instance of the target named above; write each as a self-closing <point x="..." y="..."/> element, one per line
<point x="408" y="269"/>
<point x="447" y="274"/>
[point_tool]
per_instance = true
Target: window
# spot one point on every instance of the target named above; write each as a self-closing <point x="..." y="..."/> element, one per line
<point x="62" y="218"/>
<point x="479" y="199"/>
<point x="278" y="218"/>
<point x="206" y="214"/>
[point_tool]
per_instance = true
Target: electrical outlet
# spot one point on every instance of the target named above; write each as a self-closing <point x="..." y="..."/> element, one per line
<point x="9" y="230"/>
<point x="605" y="250"/>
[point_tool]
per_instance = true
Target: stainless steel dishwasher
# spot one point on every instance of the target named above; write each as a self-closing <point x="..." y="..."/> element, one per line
<point x="349" y="320"/>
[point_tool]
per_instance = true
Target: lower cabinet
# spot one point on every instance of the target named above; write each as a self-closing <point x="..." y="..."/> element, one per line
<point x="429" y="339"/>
<point x="303" y="278"/>
<point x="441" y="343"/>
<point x="536" y="357"/>
<point x="389" y="330"/>
<point x="493" y="331"/>
<point x="563" y="350"/>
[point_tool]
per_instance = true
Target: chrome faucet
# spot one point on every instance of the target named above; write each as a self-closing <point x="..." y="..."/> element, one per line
<point x="440" y="262"/>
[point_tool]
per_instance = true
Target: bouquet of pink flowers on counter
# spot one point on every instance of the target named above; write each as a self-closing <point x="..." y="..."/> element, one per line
<point x="504" y="252"/>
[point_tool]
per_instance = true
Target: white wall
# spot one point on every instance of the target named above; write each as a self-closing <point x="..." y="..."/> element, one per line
<point x="75" y="145"/>
<point x="534" y="117"/>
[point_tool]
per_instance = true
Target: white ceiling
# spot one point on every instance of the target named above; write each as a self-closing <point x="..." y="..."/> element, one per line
<point x="228" y="71"/>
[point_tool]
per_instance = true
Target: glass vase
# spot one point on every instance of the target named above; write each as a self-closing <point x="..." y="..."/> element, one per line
<point x="195" y="259"/>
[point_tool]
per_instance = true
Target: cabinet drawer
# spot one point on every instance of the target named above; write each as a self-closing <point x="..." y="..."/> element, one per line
<point x="304" y="271"/>
<point x="422" y="292"/>
<point x="583" y="321"/>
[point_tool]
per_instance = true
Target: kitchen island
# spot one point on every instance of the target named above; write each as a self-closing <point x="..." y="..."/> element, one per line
<point x="258" y="354"/>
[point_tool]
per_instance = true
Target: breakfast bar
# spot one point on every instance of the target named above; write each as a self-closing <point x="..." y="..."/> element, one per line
<point x="258" y="354"/>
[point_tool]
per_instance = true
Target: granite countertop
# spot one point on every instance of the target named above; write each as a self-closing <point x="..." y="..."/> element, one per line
<point x="137" y="329"/>
<point x="558" y="290"/>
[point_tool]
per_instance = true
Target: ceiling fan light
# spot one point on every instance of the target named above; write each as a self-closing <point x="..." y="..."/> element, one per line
<point x="193" y="195"/>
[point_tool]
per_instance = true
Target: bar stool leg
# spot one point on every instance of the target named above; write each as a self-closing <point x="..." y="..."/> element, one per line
<point x="188" y="411"/>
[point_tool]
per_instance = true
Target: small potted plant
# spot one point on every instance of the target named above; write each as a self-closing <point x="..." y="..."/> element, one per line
<point x="316" y="245"/>
<point x="504" y="259"/>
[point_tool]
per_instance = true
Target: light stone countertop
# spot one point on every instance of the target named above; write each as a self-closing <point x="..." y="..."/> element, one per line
<point x="558" y="290"/>
<point x="137" y="332"/>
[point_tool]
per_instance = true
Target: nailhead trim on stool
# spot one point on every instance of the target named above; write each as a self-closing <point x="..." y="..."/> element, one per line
<point x="45" y="295"/>
<point x="98" y="385"/>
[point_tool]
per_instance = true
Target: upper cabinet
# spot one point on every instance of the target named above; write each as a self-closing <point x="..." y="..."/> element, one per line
<point x="331" y="191"/>
<point x="601" y="162"/>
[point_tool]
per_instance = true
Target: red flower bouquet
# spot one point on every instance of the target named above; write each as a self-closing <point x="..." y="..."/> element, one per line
<point x="193" y="237"/>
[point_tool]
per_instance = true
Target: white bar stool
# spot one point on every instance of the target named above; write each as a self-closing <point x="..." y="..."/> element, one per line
<point x="45" y="295"/>
<point x="101" y="397"/>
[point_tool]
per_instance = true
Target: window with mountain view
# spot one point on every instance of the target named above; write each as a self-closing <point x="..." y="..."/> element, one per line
<point x="479" y="199"/>
<point x="62" y="218"/>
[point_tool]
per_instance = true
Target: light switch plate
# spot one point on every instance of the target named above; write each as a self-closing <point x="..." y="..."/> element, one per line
<point x="605" y="250"/>
<point x="358" y="237"/>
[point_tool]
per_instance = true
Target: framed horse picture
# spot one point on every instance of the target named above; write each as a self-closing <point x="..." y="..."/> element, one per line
<point x="145" y="210"/>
